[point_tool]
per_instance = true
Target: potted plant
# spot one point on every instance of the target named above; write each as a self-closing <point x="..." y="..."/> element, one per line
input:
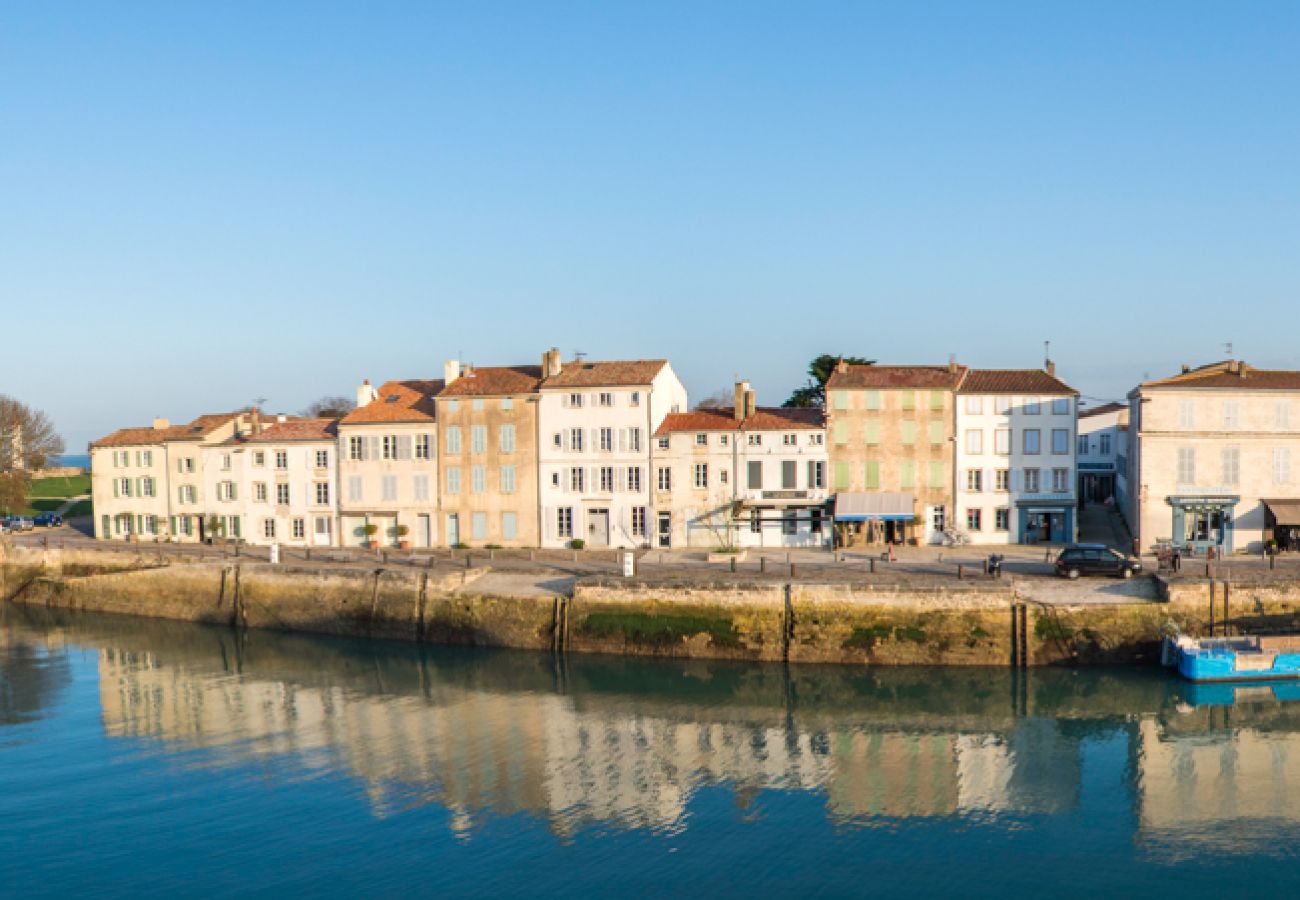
<point x="577" y="544"/>
<point x="402" y="531"/>
<point x="371" y="529"/>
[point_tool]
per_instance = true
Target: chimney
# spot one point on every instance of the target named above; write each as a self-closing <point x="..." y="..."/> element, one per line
<point x="1186" y="368"/>
<point x="161" y="424"/>
<point x="551" y="363"/>
<point x="952" y="364"/>
<point x="1050" y="368"/>
<point x="738" y="409"/>
<point x="256" y="415"/>
<point x="841" y="366"/>
<point x="282" y="418"/>
<point x="450" y="370"/>
<point x="750" y="406"/>
<point x="366" y="393"/>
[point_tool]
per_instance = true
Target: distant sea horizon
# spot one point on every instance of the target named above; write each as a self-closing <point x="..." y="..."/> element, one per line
<point x="70" y="460"/>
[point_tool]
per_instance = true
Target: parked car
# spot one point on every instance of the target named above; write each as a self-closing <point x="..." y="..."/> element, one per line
<point x="18" y="523"/>
<point x="1095" y="559"/>
<point x="47" y="520"/>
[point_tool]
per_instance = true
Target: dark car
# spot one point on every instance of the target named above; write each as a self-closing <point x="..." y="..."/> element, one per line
<point x="1095" y="559"/>
<point x="47" y="520"/>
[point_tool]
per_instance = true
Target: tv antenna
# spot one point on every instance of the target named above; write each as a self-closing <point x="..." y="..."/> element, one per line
<point x="579" y="355"/>
<point x="1227" y="348"/>
<point x="259" y="402"/>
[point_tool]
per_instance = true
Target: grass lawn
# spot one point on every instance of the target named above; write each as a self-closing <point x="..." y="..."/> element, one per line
<point x="60" y="487"/>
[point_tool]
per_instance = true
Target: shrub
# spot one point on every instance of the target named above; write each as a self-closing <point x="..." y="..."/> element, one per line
<point x="460" y="545"/>
<point x="492" y="547"/>
<point x="577" y="544"/>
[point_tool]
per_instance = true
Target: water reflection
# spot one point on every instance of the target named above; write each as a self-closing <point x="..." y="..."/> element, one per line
<point x="626" y="744"/>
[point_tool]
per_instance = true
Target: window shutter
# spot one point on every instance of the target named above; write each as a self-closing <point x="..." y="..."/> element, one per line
<point x="620" y="478"/>
<point x="404" y="446"/>
<point x="234" y="494"/>
<point x="117" y="488"/>
<point x="622" y="439"/>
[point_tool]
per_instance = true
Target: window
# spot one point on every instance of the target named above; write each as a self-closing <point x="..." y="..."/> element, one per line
<point x="509" y="526"/>
<point x="356" y="448"/>
<point x="453" y="479"/>
<point x="1031" y="481"/>
<point x="722" y="439"/>
<point x="1230" y="413"/>
<point x="453" y="439"/>
<point x="1002" y="480"/>
<point x="701" y="475"/>
<point x="638" y="521"/>
<point x="1002" y="519"/>
<point x="1281" y="465"/>
<point x="935" y="429"/>
<point x="508" y="479"/>
<point x="476" y="404"/>
<point x="1187" y="414"/>
<point x="1282" y="413"/>
<point x="840" y="399"/>
<point x="478" y="479"/>
<point x="187" y="465"/>
<point x="146" y="487"/>
<point x="322" y="459"/>
<point x="974" y="404"/>
<point x="605" y="399"/>
<point x="907" y="473"/>
<point x="225" y="462"/>
<point x="842" y="431"/>
<point x="575" y="401"/>
<point x="453" y="405"/>
<point x="422" y="445"/>
<point x="816" y="439"/>
<point x="577" y="479"/>
<point x="1060" y="441"/>
<point x="755" y="522"/>
<point x="606" y="440"/>
<point x="1031" y="440"/>
<point x="634" y="440"/>
<point x="974" y="480"/>
<point x="873" y="399"/>
<point x="268" y="528"/>
<point x="282" y="459"/>
<point x="190" y="494"/>
<point x="1231" y="465"/>
<point x="1081" y="445"/>
<point x="282" y="494"/>
<point x="1105" y="445"/>
<point x="665" y="478"/>
<point x="575" y="440"/>
<point x="1186" y="465"/>
<point x="478" y="525"/>
<point x="634" y="399"/>
<point x="322" y="493"/>
<point x="389" y="447"/>
<point x="907" y="429"/>
<point x="507" y="404"/>
<point x="815" y="521"/>
<point x="1060" y="480"/>
<point x="354" y="488"/>
<point x="607" y="479"/>
<point x="701" y="440"/>
<point x="564" y="521"/>
<point x="663" y="443"/>
<point x="146" y="458"/>
<point x="755" y="475"/>
<point x="1033" y="407"/>
<point x="388" y="488"/>
<point x="789" y="440"/>
<point x="634" y="478"/>
<point x="936" y="400"/>
<point x="478" y="439"/>
<point x="974" y="519"/>
<point x="420" y="488"/>
<point x="755" y="440"/>
<point x="936" y="473"/>
<point x="842" y="475"/>
<point x="298" y="528"/>
<point x="790" y="522"/>
<point x="908" y="399"/>
<point x="1002" y="405"/>
<point x="722" y="476"/>
<point x="870" y="474"/>
<point x="816" y="474"/>
<point x="259" y="457"/>
<point x="123" y="487"/>
<point x="1061" y="406"/>
<point x="975" y="441"/>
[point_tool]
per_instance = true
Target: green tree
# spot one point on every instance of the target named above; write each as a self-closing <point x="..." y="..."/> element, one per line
<point x="329" y="408"/>
<point x="813" y="393"/>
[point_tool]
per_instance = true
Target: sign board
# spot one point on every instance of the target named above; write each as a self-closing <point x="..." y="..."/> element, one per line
<point x="629" y="564"/>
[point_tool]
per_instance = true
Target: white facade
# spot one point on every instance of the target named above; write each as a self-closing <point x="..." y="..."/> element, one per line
<point x="596" y="422"/>
<point x="290" y="490"/>
<point x="1015" y="460"/>
<point x="1100" y="445"/>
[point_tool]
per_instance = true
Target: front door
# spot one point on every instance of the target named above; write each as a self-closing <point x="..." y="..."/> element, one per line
<point x="424" y="530"/>
<point x="598" y="528"/>
<point x="665" y="529"/>
<point x="453" y="530"/>
<point x="324" y="532"/>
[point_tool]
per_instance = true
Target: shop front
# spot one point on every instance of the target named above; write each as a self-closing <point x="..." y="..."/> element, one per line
<point x="1283" y="523"/>
<point x="1202" y="522"/>
<point x="886" y="517"/>
<point x="1046" y="522"/>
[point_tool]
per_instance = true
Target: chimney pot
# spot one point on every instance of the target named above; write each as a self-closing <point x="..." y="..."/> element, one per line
<point x="1050" y="368"/>
<point x="365" y="393"/>
<point x="450" y="370"/>
<point x="1186" y="368"/>
<point x="952" y="364"/>
<point x="551" y="363"/>
<point x="159" y="424"/>
<point x="738" y="404"/>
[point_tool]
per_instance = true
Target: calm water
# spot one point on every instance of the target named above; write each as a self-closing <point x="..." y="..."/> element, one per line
<point x="159" y="759"/>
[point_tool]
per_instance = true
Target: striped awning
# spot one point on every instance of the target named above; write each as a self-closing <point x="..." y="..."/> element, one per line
<point x="885" y="506"/>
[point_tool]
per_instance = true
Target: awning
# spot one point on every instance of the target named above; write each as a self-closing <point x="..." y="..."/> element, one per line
<point x="885" y="506"/>
<point x="1285" y="512"/>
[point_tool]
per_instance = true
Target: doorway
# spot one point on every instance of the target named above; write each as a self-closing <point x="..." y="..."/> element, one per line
<point x="665" y="529"/>
<point x="453" y="529"/>
<point x="424" y="530"/>
<point x="598" y="528"/>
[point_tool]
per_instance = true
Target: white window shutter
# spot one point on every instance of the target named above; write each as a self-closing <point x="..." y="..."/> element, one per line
<point x="622" y="439"/>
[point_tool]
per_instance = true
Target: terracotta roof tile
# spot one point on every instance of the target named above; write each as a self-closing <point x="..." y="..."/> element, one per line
<point x="196" y="430"/>
<point x="1013" y="381"/>
<point x="398" y="401"/>
<point x="778" y="418"/>
<point x="126" y="437"/>
<point x="297" y="430"/>
<point x="491" y="381"/>
<point x="1222" y="375"/>
<point x="931" y="377"/>
<point x="610" y="373"/>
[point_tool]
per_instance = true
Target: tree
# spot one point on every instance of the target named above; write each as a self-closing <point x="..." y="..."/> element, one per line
<point x="329" y="408"/>
<point x="13" y="491"/>
<point x="27" y="437"/>
<point x="717" y="400"/>
<point x="813" y="393"/>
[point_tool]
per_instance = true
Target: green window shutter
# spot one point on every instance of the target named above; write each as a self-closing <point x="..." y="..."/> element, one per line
<point x="117" y="488"/>
<point x="841" y="399"/>
<point x="873" y="431"/>
<point x="841" y="431"/>
<point x="872" y="474"/>
<point x="908" y="430"/>
<point x="907" y="473"/>
<point x="936" y="400"/>
<point x="234" y="491"/>
<point x="909" y="399"/>
<point x="936" y="473"/>
<point x="873" y="399"/>
<point x="936" y="432"/>
<point x="841" y="476"/>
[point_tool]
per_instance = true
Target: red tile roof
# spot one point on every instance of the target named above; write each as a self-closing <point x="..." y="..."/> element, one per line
<point x="1103" y="410"/>
<point x="611" y="373"/>
<point x="199" y="428"/>
<point x="398" y="401"/>
<point x="297" y="430"/>
<point x="1013" y="381"/>
<point x="724" y="419"/>
<point x="905" y="377"/>
<point x="492" y="381"/>
<point x="1234" y="375"/>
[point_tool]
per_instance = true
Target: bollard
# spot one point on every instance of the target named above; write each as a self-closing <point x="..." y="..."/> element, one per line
<point x="1272" y="561"/>
<point x="491" y="554"/>
<point x="791" y="570"/>
<point x="871" y="565"/>
<point x="383" y="556"/>
<point x="762" y="564"/>
<point x="468" y="563"/>
<point x="961" y="572"/>
<point x="532" y="555"/>
<point x="1207" y="570"/>
<point x="733" y="563"/>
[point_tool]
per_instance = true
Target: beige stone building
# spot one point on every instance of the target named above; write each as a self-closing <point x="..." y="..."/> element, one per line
<point x="487" y="455"/>
<point x="1214" y="458"/>
<point x="890" y="431"/>
<point x="388" y="465"/>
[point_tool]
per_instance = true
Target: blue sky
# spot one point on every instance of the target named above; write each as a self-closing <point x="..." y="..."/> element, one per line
<point x="205" y="203"/>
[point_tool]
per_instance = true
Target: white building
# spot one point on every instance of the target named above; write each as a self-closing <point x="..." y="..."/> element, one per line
<point x="289" y="489"/>
<point x="1015" y="459"/>
<point x="595" y="424"/>
<point x="741" y="477"/>
<point x="1101" y="445"/>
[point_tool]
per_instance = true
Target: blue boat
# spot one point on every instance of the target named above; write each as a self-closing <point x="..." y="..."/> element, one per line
<point x="1247" y="658"/>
